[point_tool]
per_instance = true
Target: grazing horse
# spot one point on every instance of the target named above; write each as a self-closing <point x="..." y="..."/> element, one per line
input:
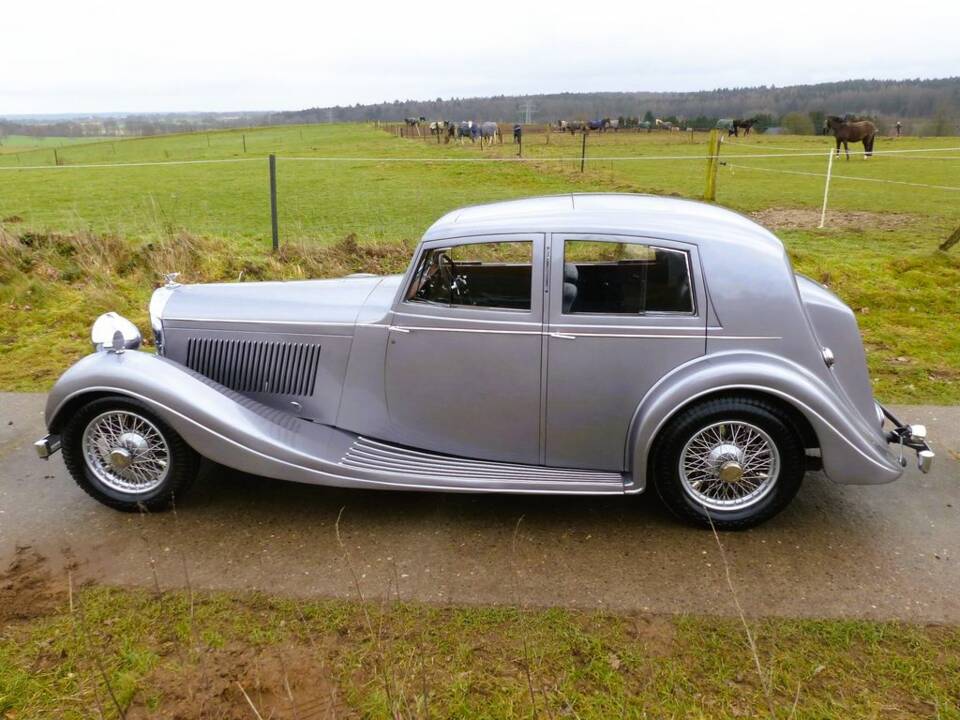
<point x="600" y="125"/>
<point x="467" y="129"/>
<point x="490" y="132"/>
<point x="517" y="133"/>
<point x="437" y="127"/>
<point x="414" y="122"/>
<point x="663" y="125"/>
<point x="863" y="131"/>
<point x="451" y="131"/>
<point x="575" y="126"/>
<point x="562" y="125"/>
<point x="739" y="124"/>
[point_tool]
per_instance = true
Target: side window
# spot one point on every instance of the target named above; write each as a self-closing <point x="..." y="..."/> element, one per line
<point x="485" y="275"/>
<point x="624" y="278"/>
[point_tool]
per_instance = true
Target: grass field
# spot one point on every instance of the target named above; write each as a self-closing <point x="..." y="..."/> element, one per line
<point x="22" y="143"/>
<point x="76" y="241"/>
<point x="109" y="653"/>
<point x="878" y="250"/>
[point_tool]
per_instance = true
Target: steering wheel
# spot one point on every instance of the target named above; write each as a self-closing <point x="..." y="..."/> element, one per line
<point x="457" y="283"/>
<point x="447" y="269"/>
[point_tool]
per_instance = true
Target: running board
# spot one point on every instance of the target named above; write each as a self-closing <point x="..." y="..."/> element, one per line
<point x="381" y="458"/>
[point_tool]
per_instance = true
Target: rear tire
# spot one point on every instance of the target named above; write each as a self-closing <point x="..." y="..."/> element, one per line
<point x="732" y="462"/>
<point x="126" y="457"/>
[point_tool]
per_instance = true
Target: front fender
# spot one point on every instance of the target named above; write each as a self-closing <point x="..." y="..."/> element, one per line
<point x="852" y="451"/>
<point x="220" y="424"/>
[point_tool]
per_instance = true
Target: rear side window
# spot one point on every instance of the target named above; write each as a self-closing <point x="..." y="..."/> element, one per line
<point x="483" y="275"/>
<point x="625" y="278"/>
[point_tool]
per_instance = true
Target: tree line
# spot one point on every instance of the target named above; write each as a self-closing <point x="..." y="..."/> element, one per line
<point x="929" y="107"/>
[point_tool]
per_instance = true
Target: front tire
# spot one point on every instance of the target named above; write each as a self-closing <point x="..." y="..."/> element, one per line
<point x="732" y="463"/>
<point x="126" y="457"/>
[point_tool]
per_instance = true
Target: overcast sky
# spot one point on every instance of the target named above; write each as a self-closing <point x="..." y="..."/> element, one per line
<point x="180" y="55"/>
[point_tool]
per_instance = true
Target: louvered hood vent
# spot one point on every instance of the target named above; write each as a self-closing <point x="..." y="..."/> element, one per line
<point x="256" y="366"/>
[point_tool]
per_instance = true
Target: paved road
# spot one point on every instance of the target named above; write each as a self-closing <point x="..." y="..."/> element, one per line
<point x="890" y="551"/>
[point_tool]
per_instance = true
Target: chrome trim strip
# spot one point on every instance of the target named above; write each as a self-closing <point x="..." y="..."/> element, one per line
<point x="309" y="323"/>
<point x="473" y="320"/>
<point x="694" y="333"/>
<point x="410" y="328"/>
<point x="744" y="337"/>
<point x="574" y="335"/>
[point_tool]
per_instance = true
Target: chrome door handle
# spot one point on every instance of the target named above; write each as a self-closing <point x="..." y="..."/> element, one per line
<point x="394" y="328"/>
<point x="563" y="336"/>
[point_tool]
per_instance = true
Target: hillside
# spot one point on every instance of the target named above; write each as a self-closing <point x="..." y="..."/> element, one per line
<point x="910" y="101"/>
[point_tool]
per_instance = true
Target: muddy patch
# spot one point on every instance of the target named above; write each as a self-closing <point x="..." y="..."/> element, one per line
<point x="27" y="589"/>
<point x="280" y="682"/>
<point x="656" y="633"/>
<point x="809" y="219"/>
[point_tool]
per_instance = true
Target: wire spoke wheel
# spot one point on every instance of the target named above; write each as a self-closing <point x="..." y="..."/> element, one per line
<point x="729" y="465"/>
<point x="126" y="452"/>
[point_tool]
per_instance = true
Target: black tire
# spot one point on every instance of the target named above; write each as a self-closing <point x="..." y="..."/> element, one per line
<point x="766" y="416"/>
<point x="182" y="464"/>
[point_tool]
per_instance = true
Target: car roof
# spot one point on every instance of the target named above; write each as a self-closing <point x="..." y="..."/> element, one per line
<point x="618" y="213"/>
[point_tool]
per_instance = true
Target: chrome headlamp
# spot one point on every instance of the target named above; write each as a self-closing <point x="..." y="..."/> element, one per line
<point x="157" y="302"/>
<point x="105" y="331"/>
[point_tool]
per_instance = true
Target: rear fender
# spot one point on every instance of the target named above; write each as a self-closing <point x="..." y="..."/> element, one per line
<point x="852" y="451"/>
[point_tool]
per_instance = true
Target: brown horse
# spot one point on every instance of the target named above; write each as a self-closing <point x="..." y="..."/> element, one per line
<point x="744" y="125"/>
<point x="862" y="131"/>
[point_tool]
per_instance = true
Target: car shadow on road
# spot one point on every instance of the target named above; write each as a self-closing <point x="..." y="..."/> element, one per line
<point x="820" y="506"/>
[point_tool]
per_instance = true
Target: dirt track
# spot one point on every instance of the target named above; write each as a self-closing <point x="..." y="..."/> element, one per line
<point x="890" y="551"/>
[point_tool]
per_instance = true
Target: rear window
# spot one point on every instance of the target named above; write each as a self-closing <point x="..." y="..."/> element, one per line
<point x="625" y="278"/>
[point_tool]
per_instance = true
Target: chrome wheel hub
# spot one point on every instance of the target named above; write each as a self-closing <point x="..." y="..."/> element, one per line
<point x="729" y="465"/>
<point x="126" y="452"/>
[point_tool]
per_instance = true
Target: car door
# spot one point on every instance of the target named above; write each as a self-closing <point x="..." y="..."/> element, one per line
<point x="623" y="311"/>
<point x="463" y="361"/>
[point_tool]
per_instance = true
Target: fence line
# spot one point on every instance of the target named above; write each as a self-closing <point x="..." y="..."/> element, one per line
<point x="843" y="177"/>
<point x="132" y="164"/>
<point x="505" y="159"/>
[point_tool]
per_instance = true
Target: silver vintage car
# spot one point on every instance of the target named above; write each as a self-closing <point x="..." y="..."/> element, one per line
<point x="576" y="344"/>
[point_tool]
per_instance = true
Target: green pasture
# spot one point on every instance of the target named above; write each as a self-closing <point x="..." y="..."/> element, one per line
<point x="24" y="143"/>
<point x="879" y="251"/>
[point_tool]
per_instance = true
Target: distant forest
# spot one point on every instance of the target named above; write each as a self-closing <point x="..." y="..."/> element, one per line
<point x="921" y="105"/>
<point x="928" y="107"/>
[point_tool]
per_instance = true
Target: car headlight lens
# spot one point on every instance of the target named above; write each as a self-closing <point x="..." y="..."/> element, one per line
<point x="107" y="326"/>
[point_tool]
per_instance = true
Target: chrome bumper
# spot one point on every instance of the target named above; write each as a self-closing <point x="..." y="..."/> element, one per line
<point x="910" y="436"/>
<point x="47" y="446"/>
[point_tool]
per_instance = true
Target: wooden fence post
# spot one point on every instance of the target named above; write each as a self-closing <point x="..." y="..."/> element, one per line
<point x="273" y="203"/>
<point x="713" y="155"/>
<point x="244" y="136"/>
<point x="583" y="150"/>
<point x="951" y="241"/>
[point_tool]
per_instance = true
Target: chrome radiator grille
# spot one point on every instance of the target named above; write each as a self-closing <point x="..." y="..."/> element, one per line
<point x="280" y="368"/>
